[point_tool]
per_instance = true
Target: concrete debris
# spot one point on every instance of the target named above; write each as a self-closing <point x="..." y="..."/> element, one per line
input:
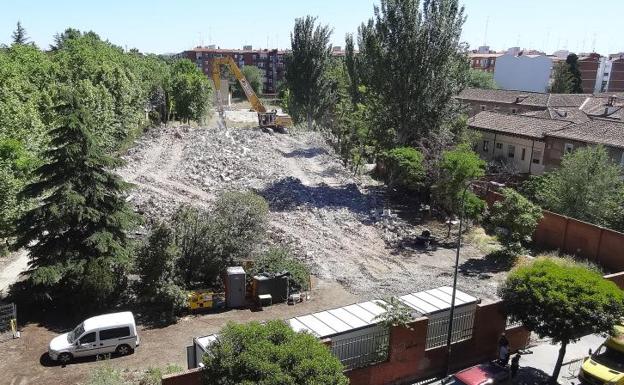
<point x="340" y="225"/>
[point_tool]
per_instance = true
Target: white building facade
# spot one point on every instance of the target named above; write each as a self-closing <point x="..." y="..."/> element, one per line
<point x="523" y="73"/>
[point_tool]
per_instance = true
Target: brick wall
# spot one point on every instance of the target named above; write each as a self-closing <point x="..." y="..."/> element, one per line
<point x="597" y="244"/>
<point x="409" y="361"/>
<point x="189" y="377"/>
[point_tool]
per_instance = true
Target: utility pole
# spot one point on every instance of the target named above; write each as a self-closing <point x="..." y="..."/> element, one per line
<point x="449" y="335"/>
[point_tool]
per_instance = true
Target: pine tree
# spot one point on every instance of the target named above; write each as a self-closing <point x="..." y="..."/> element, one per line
<point x="76" y="235"/>
<point x="19" y="35"/>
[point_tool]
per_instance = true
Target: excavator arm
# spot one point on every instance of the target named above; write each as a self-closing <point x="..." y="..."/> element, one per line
<point x="249" y="92"/>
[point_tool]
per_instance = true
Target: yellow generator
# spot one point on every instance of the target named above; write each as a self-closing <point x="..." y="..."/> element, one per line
<point x="200" y="299"/>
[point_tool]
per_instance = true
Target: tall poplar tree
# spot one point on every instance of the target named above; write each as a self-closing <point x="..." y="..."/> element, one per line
<point x="414" y="61"/>
<point x="76" y="234"/>
<point x="307" y="68"/>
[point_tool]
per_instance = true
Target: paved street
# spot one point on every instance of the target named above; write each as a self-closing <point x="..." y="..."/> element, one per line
<point x="540" y="363"/>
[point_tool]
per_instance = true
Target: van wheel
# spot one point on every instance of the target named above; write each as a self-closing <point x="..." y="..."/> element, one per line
<point x="123" y="350"/>
<point x="65" y="358"/>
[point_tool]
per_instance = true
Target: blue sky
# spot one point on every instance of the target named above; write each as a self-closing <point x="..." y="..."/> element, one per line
<point x="172" y="26"/>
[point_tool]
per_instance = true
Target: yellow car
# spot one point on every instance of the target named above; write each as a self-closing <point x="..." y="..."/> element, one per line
<point x="606" y="365"/>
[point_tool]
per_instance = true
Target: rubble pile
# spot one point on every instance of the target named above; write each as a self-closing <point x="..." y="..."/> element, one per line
<point x="340" y="225"/>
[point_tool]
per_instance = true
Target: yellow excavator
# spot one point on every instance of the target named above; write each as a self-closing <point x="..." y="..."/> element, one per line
<point x="266" y="119"/>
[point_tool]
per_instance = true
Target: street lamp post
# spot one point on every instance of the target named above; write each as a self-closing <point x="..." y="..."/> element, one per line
<point x="452" y="312"/>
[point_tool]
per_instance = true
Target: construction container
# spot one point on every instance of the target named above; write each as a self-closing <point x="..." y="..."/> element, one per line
<point x="235" y="287"/>
<point x="276" y="286"/>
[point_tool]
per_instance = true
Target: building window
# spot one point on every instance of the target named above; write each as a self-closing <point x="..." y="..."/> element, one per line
<point x="514" y="111"/>
<point x="568" y="148"/>
<point x="523" y="154"/>
<point x="537" y="155"/>
<point x="499" y="146"/>
<point x="486" y="146"/>
<point x="482" y="107"/>
<point x="511" y="150"/>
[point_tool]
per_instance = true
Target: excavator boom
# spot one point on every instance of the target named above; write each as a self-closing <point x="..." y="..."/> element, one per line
<point x="266" y="119"/>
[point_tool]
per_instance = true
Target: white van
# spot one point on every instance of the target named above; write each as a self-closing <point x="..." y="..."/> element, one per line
<point x="108" y="333"/>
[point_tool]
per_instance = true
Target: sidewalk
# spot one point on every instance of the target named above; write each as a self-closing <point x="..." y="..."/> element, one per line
<point x="540" y="364"/>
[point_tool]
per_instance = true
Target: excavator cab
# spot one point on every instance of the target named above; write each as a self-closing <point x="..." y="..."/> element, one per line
<point x="277" y="122"/>
<point x="266" y="119"/>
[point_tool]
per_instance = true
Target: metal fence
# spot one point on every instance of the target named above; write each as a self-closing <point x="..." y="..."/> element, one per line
<point x="437" y="329"/>
<point x="8" y="320"/>
<point x="362" y="348"/>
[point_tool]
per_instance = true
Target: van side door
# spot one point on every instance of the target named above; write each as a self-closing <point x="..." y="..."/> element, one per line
<point x="87" y="345"/>
<point x="113" y="337"/>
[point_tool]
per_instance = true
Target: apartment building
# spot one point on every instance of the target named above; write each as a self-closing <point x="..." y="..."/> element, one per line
<point x="269" y="61"/>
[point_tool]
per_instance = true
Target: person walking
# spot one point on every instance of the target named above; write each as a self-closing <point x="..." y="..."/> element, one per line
<point x="515" y="365"/>
<point x="503" y="350"/>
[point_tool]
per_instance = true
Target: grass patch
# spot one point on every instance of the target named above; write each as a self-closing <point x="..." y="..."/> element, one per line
<point x="484" y="242"/>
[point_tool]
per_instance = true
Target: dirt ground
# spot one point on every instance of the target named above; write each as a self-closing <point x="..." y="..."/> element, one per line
<point x="358" y="243"/>
<point x="25" y="361"/>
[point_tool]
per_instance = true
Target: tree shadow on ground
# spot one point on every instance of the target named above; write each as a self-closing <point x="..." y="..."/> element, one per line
<point x="484" y="268"/>
<point x="306" y="152"/>
<point x="531" y="376"/>
<point x="289" y="193"/>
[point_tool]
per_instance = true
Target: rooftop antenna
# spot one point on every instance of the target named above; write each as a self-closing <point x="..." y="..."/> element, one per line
<point x="210" y="35"/>
<point x="547" y="40"/>
<point x="487" y="21"/>
<point x="593" y="47"/>
<point x="267" y="45"/>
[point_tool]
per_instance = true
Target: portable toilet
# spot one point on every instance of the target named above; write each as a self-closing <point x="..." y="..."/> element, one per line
<point x="235" y="287"/>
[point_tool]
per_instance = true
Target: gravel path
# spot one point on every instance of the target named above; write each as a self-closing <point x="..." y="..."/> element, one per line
<point x="12" y="267"/>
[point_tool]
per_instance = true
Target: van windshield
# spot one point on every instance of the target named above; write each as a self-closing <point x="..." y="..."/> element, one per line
<point x="75" y="334"/>
<point x="610" y="358"/>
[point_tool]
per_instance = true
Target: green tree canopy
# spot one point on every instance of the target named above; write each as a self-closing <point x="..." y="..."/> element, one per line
<point x="191" y="91"/>
<point x="562" y="300"/>
<point x="76" y="233"/>
<point x="270" y="354"/>
<point x="481" y="79"/>
<point x="253" y="75"/>
<point x="575" y="72"/>
<point x="518" y="218"/>
<point x="306" y="71"/>
<point x="587" y="186"/>
<point x="458" y="168"/>
<point x="562" y="79"/>
<point x="411" y="56"/>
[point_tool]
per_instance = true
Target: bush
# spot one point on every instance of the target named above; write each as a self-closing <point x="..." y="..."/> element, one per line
<point x="458" y="168"/>
<point x="517" y="216"/>
<point x="209" y="241"/>
<point x="404" y="168"/>
<point x="105" y="375"/>
<point x="276" y="260"/>
<point x="153" y="376"/>
<point x="158" y="278"/>
<point x="270" y="354"/>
